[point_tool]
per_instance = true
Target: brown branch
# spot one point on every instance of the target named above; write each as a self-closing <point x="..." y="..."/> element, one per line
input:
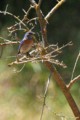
<point x="39" y="3"/>
<point x="33" y="2"/>
<point x="73" y="81"/>
<point x="65" y="90"/>
<point x="40" y="58"/>
<point x="54" y="9"/>
<point x="9" y="43"/>
<point x="49" y="65"/>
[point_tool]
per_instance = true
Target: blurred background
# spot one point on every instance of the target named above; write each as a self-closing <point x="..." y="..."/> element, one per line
<point x="21" y="93"/>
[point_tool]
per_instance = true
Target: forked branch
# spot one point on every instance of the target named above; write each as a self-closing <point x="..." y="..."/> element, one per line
<point x="54" y="9"/>
<point x="49" y="65"/>
<point x="73" y="81"/>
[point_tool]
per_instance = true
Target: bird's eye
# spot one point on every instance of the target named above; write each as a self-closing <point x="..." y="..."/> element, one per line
<point x="30" y="33"/>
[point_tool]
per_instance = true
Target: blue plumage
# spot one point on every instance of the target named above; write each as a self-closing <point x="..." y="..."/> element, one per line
<point x="26" y="43"/>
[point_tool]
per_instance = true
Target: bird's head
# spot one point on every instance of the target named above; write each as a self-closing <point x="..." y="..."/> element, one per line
<point x="28" y="35"/>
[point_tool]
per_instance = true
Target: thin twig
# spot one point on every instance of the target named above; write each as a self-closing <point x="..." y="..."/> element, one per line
<point x="75" y="65"/>
<point x="26" y="13"/>
<point x="6" y="9"/>
<point x="60" y="48"/>
<point x="9" y="43"/>
<point x="45" y="95"/>
<point x="18" y="71"/>
<point x="38" y="58"/>
<point x="33" y="2"/>
<point x="73" y="81"/>
<point x="33" y="19"/>
<point x="22" y="61"/>
<point x="4" y="39"/>
<point x="16" y="17"/>
<point x="24" y="18"/>
<point x="54" y="9"/>
<point x="39" y="3"/>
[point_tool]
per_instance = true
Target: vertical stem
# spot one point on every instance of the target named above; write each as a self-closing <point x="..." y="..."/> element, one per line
<point x="43" y="25"/>
<point x="65" y="90"/>
<point x="53" y="70"/>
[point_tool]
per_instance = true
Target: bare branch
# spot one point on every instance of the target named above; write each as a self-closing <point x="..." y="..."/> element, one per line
<point x="54" y="9"/>
<point x="39" y="3"/>
<point x="18" y="71"/>
<point x="75" y="65"/>
<point x="26" y="13"/>
<point x="33" y="19"/>
<point x="16" y="17"/>
<point x="6" y="9"/>
<point x="45" y="95"/>
<point x="25" y="18"/>
<point x="33" y="2"/>
<point x="9" y="43"/>
<point x="57" y="49"/>
<point x="38" y="57"/>
<point x="42" y="59"/>
<point x="73" y="81"/>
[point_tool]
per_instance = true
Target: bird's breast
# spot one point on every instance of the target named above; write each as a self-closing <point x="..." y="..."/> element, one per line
<point x="26" y="46"/>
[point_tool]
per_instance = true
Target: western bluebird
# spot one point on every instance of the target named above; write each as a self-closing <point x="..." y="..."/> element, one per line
<point x="26" y="43"/>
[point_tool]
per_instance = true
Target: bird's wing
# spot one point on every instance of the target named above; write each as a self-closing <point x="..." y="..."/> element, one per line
<point x="20" y="45"/>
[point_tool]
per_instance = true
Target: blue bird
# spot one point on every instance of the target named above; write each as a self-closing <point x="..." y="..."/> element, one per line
<point x="26" y="43"/>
